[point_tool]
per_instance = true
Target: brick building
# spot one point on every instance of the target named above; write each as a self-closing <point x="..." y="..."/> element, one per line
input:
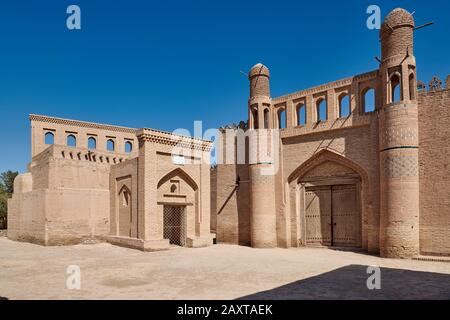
<point x="122" y="185"/>
<point x="361" y="162"/>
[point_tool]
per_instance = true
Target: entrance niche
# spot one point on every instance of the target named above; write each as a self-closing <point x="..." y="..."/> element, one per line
<point x="327" y="203"/>
<point x="178" y="207"/>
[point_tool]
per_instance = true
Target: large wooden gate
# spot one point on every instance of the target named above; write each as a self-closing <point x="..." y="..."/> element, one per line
<point x="332" y="216"/>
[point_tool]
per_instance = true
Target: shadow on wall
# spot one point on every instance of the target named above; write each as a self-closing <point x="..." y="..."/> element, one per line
<point x="350" y="283"/>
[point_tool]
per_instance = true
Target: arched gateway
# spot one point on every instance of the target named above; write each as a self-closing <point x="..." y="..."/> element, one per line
<point x="328" y="201"/>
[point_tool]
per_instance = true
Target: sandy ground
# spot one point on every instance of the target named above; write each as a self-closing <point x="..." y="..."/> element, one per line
<point x="29" y="271"/>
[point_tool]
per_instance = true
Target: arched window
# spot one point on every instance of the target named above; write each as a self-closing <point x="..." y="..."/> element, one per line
<point x="321" y="107"/>
<point x="173" y="188"/>
<point x="396" y="94"/>
<point x="255" y="118"/>
<point x="125" y="198"/>
<point x="344" y="105"/>
<point x="301" y="115"/>
<point x="49" y="138"/>
<point x="110" y="145"/>
<point x="92" y="143"/>
<point x="266" y="118"/>
<point x="368" y="100"/>
<point x="71" y="140"/>
<point x="281" y="119"/>
<point x="128" y="147"/>
<point x="412" y="87"/>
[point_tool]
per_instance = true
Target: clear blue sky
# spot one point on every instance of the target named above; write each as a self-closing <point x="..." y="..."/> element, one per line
<point x="164" y="64"/>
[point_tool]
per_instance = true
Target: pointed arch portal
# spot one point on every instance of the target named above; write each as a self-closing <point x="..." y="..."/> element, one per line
<point x="327" y="199"/>
<point x="181" y="174"/>
<point x="178" y="198"/>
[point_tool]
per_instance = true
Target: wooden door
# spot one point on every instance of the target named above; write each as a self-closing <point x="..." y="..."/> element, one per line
<point x="345" y="216"/>
<point x="318" y="216"/>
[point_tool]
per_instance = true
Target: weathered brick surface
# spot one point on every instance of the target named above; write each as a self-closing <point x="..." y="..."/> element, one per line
<point x="434" y="169"/>
<point x="63" y="199"/>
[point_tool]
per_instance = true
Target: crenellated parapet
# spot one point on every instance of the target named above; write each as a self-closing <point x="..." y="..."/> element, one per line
<point x="80" y="154"/>
<point x="434" y="85"/>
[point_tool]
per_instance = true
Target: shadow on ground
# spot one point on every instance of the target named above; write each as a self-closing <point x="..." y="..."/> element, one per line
<point x="350" y="282"/>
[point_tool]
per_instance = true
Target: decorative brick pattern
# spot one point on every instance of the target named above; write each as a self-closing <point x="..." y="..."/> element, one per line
<point x="400" y="136"/>
<point x="396" y="167"/>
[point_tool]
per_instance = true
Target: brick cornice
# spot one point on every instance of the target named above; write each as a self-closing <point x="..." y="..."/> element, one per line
<point x="83" y="124"/>
<point x="171" y="139"/>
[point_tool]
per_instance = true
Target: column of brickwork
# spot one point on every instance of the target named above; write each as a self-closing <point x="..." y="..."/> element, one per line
<point x="332" y="105"/>
<point x="310" y="110"/>
<point x="291" y="116"/>
<point x="144" y="162"/>
<point x="262" y="182"/>
<point x="263" y="217"/>
<point x="398" y="141"/>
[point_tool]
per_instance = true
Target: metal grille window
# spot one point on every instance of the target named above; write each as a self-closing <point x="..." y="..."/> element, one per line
<point x="175" y="225"/>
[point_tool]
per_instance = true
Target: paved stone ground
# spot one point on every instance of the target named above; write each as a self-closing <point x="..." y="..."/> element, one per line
<point x="29" y="271"/>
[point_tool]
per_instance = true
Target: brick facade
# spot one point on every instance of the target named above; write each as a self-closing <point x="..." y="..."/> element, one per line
<point x="390" y="156"/>
<point x="373" y="179"/>
<point x="77" y="192"/>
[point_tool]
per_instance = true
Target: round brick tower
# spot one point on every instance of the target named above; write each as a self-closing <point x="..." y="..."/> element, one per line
<point x="398" y="139"/>
<point x="262" y="180"/>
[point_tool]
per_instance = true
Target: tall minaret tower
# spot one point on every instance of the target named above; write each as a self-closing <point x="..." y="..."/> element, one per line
<point x="398" y="139"/>
<point x="262" y="180"/>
